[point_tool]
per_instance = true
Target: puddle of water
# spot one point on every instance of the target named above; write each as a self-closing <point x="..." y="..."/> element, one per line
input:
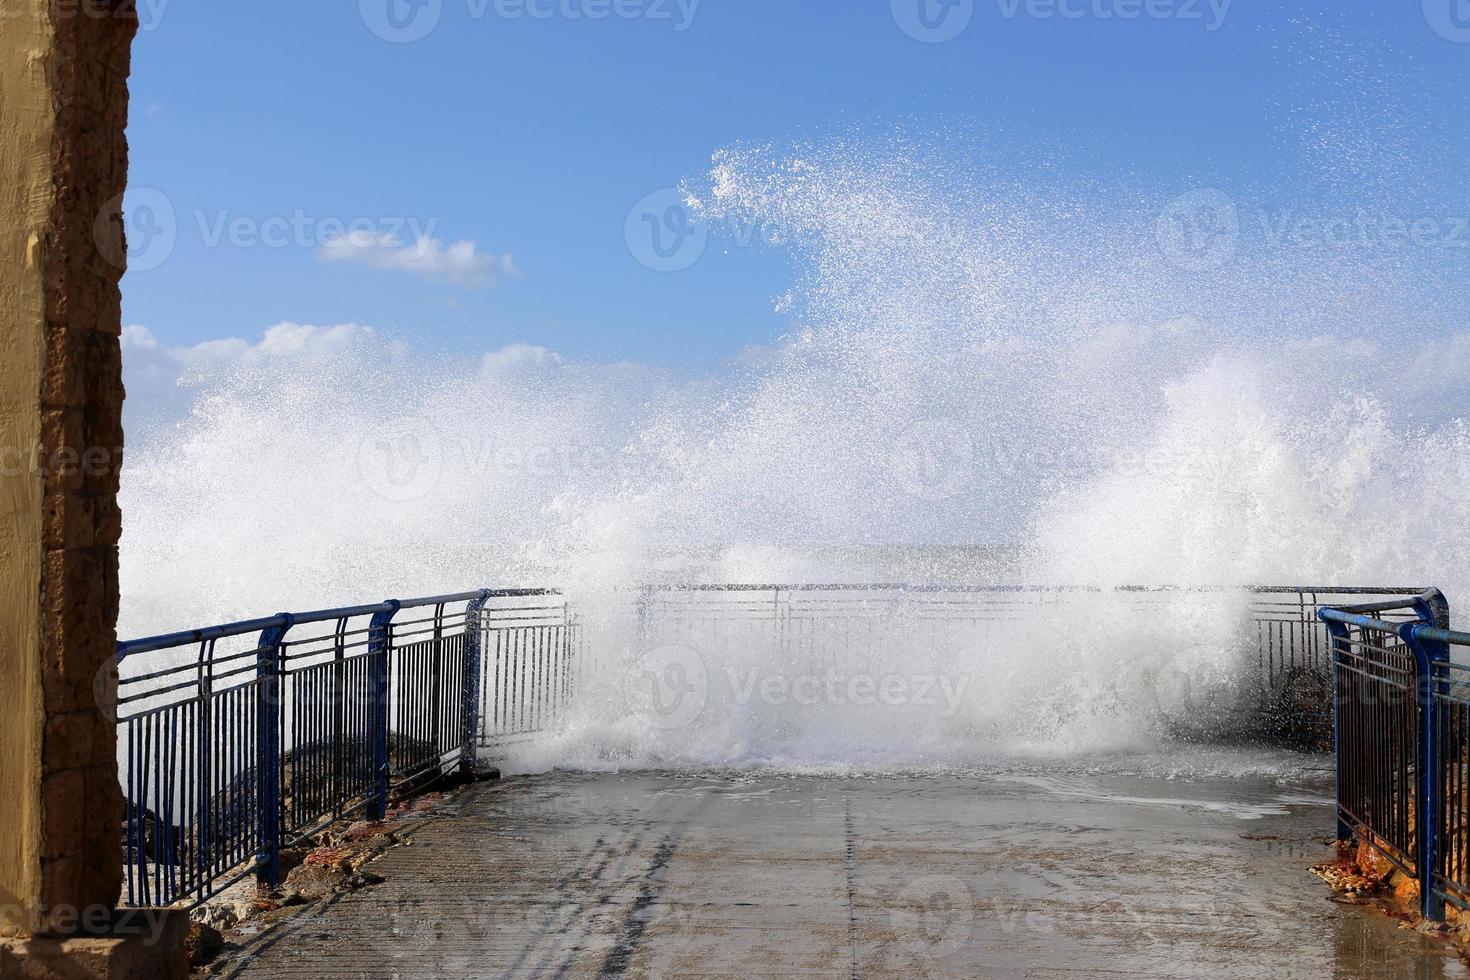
<point x="1241" y="809"/>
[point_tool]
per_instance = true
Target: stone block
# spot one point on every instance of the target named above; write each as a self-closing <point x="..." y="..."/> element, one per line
<point x="146" y="945"/>
<point x="70" y="521"/>
<point x="70" y="740"/>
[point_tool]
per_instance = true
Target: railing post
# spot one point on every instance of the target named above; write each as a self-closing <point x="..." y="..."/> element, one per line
<point x="1337" y="638"/>
<point x="473" y="668"/>
<point x="202" y="853"/>
<point x="379" y="656"/>
<point x="436" y="683"/>
<point x="268" y="668"/>
<point x="1428" y="654"/>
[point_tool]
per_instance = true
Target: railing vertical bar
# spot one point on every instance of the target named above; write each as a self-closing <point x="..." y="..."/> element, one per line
<point x="470" y="686"/>
<point x="268" y="750"/>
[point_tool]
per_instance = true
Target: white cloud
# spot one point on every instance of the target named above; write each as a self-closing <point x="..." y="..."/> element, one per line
<point x="519" y="357"/>
<point x="160" y="379"/>
<point x="460" y="262"/>
<point x="282" y="340"/>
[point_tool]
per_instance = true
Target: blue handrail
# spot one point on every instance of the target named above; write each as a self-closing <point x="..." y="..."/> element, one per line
<point x="1375" y="735"/>
<point x="149" y="644"/>
<point x="310" y="729"/>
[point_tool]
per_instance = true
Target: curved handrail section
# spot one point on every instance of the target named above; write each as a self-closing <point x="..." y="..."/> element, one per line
<point x="1401" y="738"/>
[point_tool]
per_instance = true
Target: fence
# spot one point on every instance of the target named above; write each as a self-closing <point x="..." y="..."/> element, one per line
<point x="235" y="740"/>
<point x="1402" y="713"/>
<point x="842" y="625"/>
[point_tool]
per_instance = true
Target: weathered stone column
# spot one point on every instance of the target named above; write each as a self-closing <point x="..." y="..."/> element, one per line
<point x="63" y="165"/>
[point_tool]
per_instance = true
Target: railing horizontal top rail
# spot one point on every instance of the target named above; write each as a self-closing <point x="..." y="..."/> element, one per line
<point x="148" y="644"/>
<point x="1362" y="620"/>
<point x="204" y="635"/>
<point x="282" y="621"/>
<point x="1428" y="607"/>
<point x="1436" y="635"/>
<point x="1386" y="605"/>
<point x="908" y="587"/>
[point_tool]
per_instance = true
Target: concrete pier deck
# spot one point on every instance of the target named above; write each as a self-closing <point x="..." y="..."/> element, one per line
<point x="1002" y="875"/>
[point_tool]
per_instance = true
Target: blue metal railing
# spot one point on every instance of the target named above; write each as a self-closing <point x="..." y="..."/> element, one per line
<point x="826" y="624"/>
<point x="236" y="740"/>
<point x="1401" y="738"/>
<point x="1447" y="754"/>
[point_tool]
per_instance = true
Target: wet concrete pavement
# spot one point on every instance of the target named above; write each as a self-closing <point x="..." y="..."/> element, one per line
<point x="1003" y="875"/>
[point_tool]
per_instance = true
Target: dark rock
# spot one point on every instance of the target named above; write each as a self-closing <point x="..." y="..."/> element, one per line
<point x="203" y="943"/>
<point x="291" y="859"/>
<point x="310" y="776"/>
<point x="147" y="838"/>
<point x="217" y="916"/>
<point x="311" y="882"/>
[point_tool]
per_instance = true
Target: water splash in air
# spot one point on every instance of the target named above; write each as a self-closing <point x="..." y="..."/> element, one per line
<point x="983" y="383"/>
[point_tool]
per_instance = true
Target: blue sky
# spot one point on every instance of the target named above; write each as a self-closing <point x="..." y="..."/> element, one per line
<point x="534" y="136"/>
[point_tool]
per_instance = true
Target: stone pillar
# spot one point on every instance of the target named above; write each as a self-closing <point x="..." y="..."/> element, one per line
<point x="63" y="165"/>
